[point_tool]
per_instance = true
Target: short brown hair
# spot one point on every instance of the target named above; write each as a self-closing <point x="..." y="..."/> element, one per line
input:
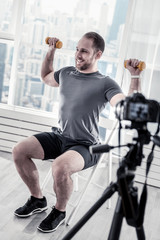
<point x="98" y="41"/>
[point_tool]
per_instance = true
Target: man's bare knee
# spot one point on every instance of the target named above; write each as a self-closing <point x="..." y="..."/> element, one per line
<point x="67" y="164"/>
<point x="18" y="151"/>
<point x="28" y="148"/>
<point x="60" y="171"/>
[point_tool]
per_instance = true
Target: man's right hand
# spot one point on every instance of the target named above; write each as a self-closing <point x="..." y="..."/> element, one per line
<point x="52" y="43"/>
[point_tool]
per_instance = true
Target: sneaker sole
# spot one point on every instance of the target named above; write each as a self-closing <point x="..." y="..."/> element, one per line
<point x="52" y="230"/>
<point x="37" y="210"/>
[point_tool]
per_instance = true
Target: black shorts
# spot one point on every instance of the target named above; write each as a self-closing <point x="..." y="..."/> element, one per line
<point x="54" y="144"/>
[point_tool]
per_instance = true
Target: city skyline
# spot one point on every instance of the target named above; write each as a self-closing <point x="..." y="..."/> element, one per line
<point x="31" y="91"/>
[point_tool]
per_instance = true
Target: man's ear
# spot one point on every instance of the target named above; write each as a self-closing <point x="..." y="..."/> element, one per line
<point x="98" y="54"/>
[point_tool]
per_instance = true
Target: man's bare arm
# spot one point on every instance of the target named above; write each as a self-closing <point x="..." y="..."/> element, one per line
<point x="116" y="98"/>
<point x="135" y="84"/>
<point x="47" y="70"/>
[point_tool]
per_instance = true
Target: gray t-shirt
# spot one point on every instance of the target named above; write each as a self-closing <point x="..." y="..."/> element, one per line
<point x="82" y="98"/>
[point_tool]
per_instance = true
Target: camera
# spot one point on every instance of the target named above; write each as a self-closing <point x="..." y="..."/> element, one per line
<point x="137" y="108"/>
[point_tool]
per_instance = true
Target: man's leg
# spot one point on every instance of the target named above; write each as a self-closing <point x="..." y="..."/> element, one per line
<point x="62" y="169"/>
<point x="23" y="153"/>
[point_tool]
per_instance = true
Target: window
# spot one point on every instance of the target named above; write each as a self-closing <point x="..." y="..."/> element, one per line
<point x="144" y="44"/>
<point x="43" y="18"/>
<point x="10" y="22"/>
<point x="6" y="53"/>
<point x="6" y="47"/>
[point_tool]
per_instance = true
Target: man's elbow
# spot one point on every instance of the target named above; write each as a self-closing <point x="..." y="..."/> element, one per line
<point x="43" y="75"/>
<point x="43" y="78"/>
<point x="117" y="98"/>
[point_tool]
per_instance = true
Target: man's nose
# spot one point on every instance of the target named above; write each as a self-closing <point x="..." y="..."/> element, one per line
<point x="78" y="54"/>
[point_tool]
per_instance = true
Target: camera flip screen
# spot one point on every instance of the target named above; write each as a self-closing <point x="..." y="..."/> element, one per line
<point x="138" y="111"/>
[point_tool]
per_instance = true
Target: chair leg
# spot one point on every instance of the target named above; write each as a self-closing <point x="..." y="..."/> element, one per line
<point x="109" y="175"/>
<point x="75" y="182"/>
<point x="48" y="176"/>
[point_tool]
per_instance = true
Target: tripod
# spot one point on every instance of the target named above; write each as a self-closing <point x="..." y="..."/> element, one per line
<point x="127" y="204"/>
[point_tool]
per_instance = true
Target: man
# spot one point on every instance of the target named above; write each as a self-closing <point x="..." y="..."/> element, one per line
<point x="84" y="93"/>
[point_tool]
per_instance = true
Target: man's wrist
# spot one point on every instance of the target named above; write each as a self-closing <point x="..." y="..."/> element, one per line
<point x="135" y="76"/>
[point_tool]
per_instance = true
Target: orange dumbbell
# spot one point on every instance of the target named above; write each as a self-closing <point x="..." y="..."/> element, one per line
<point x="141" y="65"/>
<point x="59" y="44"/>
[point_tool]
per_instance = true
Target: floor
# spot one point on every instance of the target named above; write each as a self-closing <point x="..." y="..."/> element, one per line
<point x="13" y="193"/>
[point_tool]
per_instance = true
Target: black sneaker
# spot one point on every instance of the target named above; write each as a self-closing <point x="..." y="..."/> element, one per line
<point x="32" y="206"/>
<point x="52" y="221"/>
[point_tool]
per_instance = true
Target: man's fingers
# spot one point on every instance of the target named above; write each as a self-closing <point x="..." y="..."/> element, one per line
<point x="52" y="41"/>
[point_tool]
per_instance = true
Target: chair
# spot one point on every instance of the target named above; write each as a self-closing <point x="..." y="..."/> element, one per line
<point x="110" y="126"/>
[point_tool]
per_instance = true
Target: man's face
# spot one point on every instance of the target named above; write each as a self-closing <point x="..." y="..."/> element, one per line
<point x="85" y="57"/>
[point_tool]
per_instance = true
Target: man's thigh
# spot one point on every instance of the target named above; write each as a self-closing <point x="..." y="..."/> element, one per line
<point x="29" y="147"/>
<point x="71" y="161"/>
<point x="51" y="143"/>
<point x="89" y="159"/>
<point x="77" y="158"/>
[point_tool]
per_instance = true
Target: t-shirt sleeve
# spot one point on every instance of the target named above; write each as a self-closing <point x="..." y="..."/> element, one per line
<point x="56" y="75"/>
<point x="111" y="88"/>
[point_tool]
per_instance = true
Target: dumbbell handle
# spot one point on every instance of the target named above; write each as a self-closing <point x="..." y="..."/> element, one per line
<point x="59" y="44"/>
<point x="141" y="65"/>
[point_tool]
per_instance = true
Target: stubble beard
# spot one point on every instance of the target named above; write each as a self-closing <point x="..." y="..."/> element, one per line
<point x="83" y="67"/>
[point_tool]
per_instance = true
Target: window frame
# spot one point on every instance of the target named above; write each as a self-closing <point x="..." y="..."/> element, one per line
<point x="15" y="36"/>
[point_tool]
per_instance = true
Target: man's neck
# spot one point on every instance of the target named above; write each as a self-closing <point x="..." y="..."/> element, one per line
<point x="88" y="70"/>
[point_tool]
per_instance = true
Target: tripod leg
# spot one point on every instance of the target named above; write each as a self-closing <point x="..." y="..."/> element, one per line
<point x="140" y="233"/>
<point x="117" y="221"/>
<point x="117" y="224"/>
<point x="106" y="195"/>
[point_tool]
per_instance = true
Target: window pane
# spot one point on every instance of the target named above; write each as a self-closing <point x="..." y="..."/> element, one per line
<point x="6" y="11"/>
<point x="47" y="18"/>
<point x="144" y="44"/>
<point x="6" y="48"/>
<point x="6" y="53"/>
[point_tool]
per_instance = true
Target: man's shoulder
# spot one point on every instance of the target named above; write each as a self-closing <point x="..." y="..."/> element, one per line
<point x="63" y="71"/>
<point x="68" y="69"/>
<point x="105" y="78"/>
